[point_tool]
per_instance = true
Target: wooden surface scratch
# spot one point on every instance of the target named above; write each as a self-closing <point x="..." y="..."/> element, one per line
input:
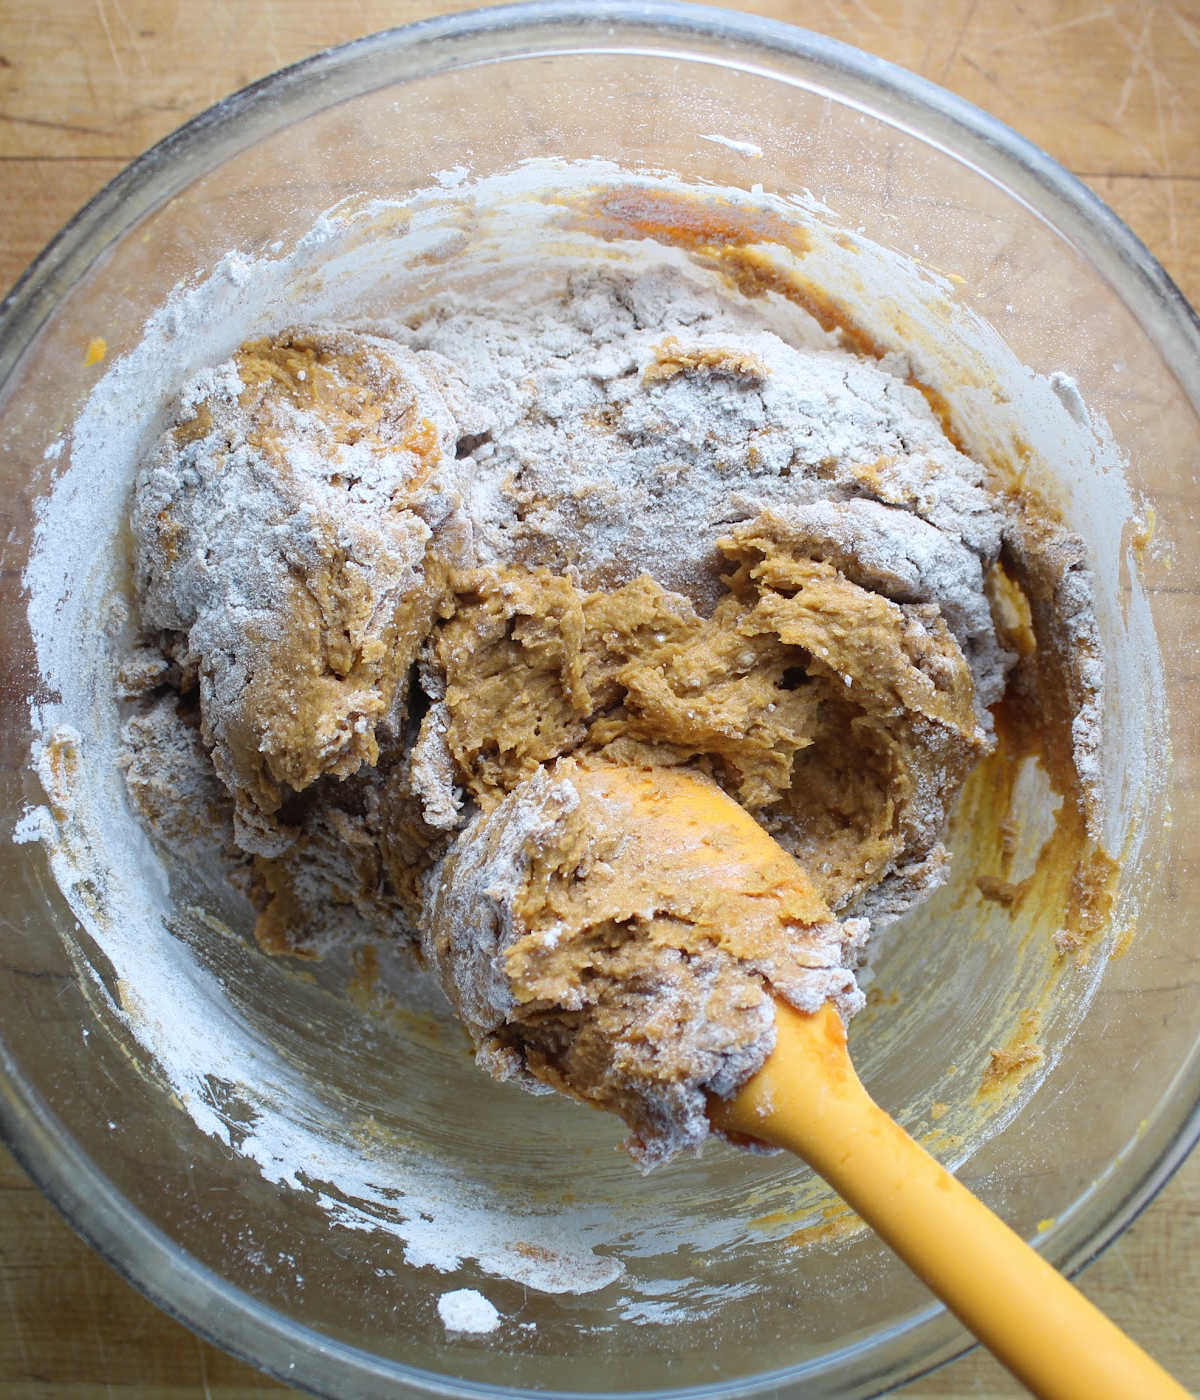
<point x="1110" y="90"/>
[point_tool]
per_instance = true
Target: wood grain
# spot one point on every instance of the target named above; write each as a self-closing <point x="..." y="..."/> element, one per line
<point x="85" y="85"/>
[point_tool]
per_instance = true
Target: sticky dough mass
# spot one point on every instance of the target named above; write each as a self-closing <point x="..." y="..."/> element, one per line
<point x="619" y="933"/>
<point x="412" y="602"/>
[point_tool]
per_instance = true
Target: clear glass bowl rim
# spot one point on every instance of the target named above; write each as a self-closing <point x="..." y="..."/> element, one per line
<point x="144" y="1255"/>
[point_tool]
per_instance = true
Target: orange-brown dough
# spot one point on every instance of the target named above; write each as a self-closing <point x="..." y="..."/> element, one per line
<point x="286" y="526"/>
<point x="829" y="711"/>
<point x="429" y="617"/>
<point x="612" y="931"/>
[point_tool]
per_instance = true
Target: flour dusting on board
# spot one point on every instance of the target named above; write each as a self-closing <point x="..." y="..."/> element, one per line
<point x="197" y="1027"/>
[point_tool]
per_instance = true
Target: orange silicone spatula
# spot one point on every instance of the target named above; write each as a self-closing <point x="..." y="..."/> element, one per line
<point x="807" y="1098"/>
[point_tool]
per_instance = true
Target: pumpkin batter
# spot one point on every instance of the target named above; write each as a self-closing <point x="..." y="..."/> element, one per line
<point x="613" y="931"/>
<point x="413" y="600"/>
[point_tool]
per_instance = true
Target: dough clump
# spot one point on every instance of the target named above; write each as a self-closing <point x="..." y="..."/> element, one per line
<point x="413" y="601"/>
<point x="619" y="933"/>
<point x="286" y="529"/>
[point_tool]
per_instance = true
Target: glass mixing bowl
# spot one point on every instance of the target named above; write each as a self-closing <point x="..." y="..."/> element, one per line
<point x="727" y="1276"/>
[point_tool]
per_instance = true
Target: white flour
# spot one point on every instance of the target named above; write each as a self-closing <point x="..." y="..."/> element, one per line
<point x="633" y="422"/>
<point x="465" y="1310"/>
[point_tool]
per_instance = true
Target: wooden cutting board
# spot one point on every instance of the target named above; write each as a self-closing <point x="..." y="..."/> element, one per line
<point x="1111" y="90"/>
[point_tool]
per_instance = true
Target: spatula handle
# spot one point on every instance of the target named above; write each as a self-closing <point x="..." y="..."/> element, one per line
<point x="807" y="1098"/>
